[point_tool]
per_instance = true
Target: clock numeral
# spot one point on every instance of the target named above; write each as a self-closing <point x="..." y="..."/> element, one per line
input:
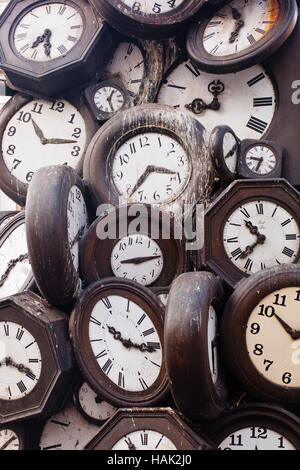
<point x="260" y="208"/>
<point x="6" y="329"/>
<point x="33" y="360"/>
<point x="144" y="439"/>
<point x="148" y="332"/>
<point x="236" y="440"/>
<point x="287" y="221"/>
<point x="101" y="354"/>
<point x="288" y="252"/>
<point x="267" y="101"/>
<point x="262" y="265"/>
<point x="31" y="376"/>
<point x="256" y="79"/>
<point x="286" y="378"/>
<point x="61" y="10"/>
<point x="62" y="49"/>
<point x="232" y="240"/>
<point x="121" y="380"/>
<point x="282" y="302"/>
<point x="37" y="108"/>
<point x="257" y="125"/>
<point x="258" y="351"/>
<point x="144" y="141"/>
<point x="132" y="148"/>
<point x="291" y="236"/>
<point x="257" y="433"/>
<point x="48" y="9"/>
<point x="72" y="38"/>
<point x="245" y="212"/>
<point x="143" y="383"/>
<point x="94" y="320"/>
<point x="298" y="295"/>
<point x="19" y="334"/>
<point x="106" y="302"/>
<point x="251" y="39"/>
<point x="267" y="311"/>
<point x="141" y="319"/>
<point x="153" y="345"/>
<point x="248" y="265"/>
<point x="25" y="117"/>
<point x="255" y="328"/>
<point x="281" y="446"/>
<point x="21" y="386"/>
<point x="236" y="253"/>
<point x="208" y="36"/>
<point x="57" y="106"/>
<point x="16" y="162"/>
<point x="214" y="49"/>
<point x="107" y="366"/>
<point x="268" y="364"/>
<point x="193" y="69"/>
<point x="24" y="48"/>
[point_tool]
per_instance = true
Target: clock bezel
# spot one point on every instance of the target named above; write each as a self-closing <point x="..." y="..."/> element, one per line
<point x="243" y="169"/>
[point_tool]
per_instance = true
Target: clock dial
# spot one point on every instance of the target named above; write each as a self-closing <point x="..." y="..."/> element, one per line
<point x="261" y="159"/>
<point x="145" y="439"/>
<point x="278" y="361"/>
<point x="92" y="405"/>
<point x="137" y="257"/>
<point x="20" y="361"/>
<point x="256" y="438"/>
<point x="125" y="343"/>
<point x="9" y="440"/>
<point x="77" y="221"/>
<point x="230" y="151"/>
<point x="48" y="31"/>
<point x="43" y="133"/>
<point x="212" y="333"/>
<point x="109" y="99"/>
<point x="151" y="167"/>
<point x="260" y="234"/>
<point x="148" y="8"/>
<point x="244" y="100"/>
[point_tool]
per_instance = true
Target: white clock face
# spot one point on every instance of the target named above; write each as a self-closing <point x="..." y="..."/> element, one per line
<point x="20" y="359"/>
<point x="151" y="167"/>
<point x="77" y="221"/>
<point x="48" y="31"/>
<point x="247" y="103"/>
<point x="128" y="65"/>
<point x="92" y="405"/>
<point x="261" y="234"/>
<point x="239" y="25"/>
<point x="230" y="151"/>
<point x="149" y="7"/>
<point x="260" y="159"/>
<point x="9" y="440"/>
<point x="125" y="343"/>
<point x="276" y="316"/>
<point x="109" y="99"/>
<point x="212" y="344"/>
<point x="145" y="439"/>
<point x="137" y="257"/>
<point x="256" y="438"/>
<point x="43" y="133"/>
<point x="15" y="268"/>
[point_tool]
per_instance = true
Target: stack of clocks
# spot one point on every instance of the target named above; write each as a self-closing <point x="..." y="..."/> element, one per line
<point x="149" y="225"/>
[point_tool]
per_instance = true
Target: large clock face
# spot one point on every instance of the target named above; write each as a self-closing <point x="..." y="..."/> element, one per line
<point x="43" y="133"/>
<point x="21" y="361"/>
<point x="48" y="31"/>
<point x="151" y="167"/>
<point x="260" y="234"/>
<point x="148" y="7"/>
<point x="146" y="439"/>
<point x="276" y="316"/>
<point x="77" y="221"/>
<point x="256" y="438"/>
<point x="246" y="99"/>
<point x="125" y="343"/>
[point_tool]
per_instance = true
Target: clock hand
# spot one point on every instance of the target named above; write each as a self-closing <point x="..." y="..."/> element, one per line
<point x="6" y="444"/>
<point x="197" y="106"/>
<point x="238" y="25"/>
<point x="231" y="152"/>
<point x="294" y="334"/>
<point x="47" y="43"/>
<point x="39" y="132"/>
<point x="139" y="260"/>
<point x="128" y="343"/>
<point x="109" y="100"/>
<point x="130" y="444"/>
<point x="8" y="361"/>
<point x="259" y="163"/>
<point x="250" y="248"/>
<point x="77" y="237"/>
<point x="150" y="169"/>
<point x="10" y="266"/>
<point x="59" y="141"/>
<point x="252" y="228"/>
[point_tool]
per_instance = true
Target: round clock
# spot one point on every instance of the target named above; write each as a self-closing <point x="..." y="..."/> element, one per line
<point x="191" y="345"/>
<point x="147" y="429"/>
<point x="48" y="45"/>
<point x="36" y="133"/>
<point x="260" y="159"/>
<point x="19" y="436"/>
<point x="256" y="426"/>
<point x="246" y="215"/>
<point x="117" y="332"/>
<point x="56" y="220"/>
<point x="241" y="34"/>
<point x="224" y="147"/>
<point x="90" y="405"/>
<point x="143" y="254"/>
<point x="262" y="316"/>
<point x="144" y="155"/>
<point x="148" y="19"/>
<point x="106" y="98"/>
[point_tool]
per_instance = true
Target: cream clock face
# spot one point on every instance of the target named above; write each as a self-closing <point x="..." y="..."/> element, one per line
<point x="149" y="7"/>
<point x="109" y="99"/>
<point x="230" y="151"/>
<point x="92" y="405"/>
<point x="9" y="440"/>
<point x="260" y="159"/>
<point x="255" y="438"/>
<point x="48" y="31"/>
<point x="144" y="440"/>
<point x="21" y="361"/>
<point x="77" y="220"/>
<point x="276" y="316"/>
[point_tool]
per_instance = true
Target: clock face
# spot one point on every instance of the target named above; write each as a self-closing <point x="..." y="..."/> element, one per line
<point x="48" y="31"/>
<point x="109" y="99"/>
<point x="9" y="440"/>
<point x="125" y="343"/>
<point x="137" y="257"/>
<point x="261" y="159"/>
<point x="260" y="234"/>
<point x="151" y="167"/>
<point x="256" y="438"/>
<point x="230" y="151"/>
<point x="239" y="25"/>
<point x="20" y="360"/>
<point x="212" y="344"/>
<point x="43" y="133"/>
<point x="146" y="439"/>
<point x="148" y="7"/>
<point x="276" y="316"/>
<point x="92" y="405"/>
<point x="77" y="220"/>
<point x="246" y="99"/>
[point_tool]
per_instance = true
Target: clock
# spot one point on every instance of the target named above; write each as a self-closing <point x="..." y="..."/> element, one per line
<point x="245" y="217"/>
<point x="260" y="159"/>
<point x="56" y="220"/>
<point x="245" y="101"/>
<point x="50" y="44"/>
<point x="67" y="430"/>
<point x="106" y="98"/>
<point x="143" y="155"/>
<point x="191" y="332"/>
<point x="148" y="19"/>
<point x="142" y="248"/>
<point x="36" y="358"/>
<point x="262" y="316"/>
<point x="256" y="426"/>
<point x="148" y="429"/>
<point x="90" y="405"/>
<point x="224" y="147"/>
<point x="116" y="328"/>
<point x="36" y="133"/>
<point x="19" y="436"/>
<point x="241" y="34"/>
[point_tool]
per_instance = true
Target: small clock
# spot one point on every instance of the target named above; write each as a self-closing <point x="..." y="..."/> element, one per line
<point x="116" y="329"/>
<point x="56" y="220"/>
<point x="106" y="98"/>
<point x="260" y="159"/>
<point x="241" y="34"/>
<point x="262" y="316"/>
<point x="90" y="405"/>
<point x="19" y="436"/>
<point x="256" y="426"/>
<point x="138" y="249"/>
<point x="224" y="147"/>
<point x="148" y="429"/>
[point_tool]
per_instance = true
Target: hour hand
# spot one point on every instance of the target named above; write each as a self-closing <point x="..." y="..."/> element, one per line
<point x="294" y="334"/>
<point x="60" y="141"/>
<point x="39" y="132"/>
<point x="139" y="260"/>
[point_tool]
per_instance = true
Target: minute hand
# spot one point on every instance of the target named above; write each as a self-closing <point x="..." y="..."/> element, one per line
<point x="139" y="260"/>
<point x="150" y="169"/>
<point x="60" y="141"/>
